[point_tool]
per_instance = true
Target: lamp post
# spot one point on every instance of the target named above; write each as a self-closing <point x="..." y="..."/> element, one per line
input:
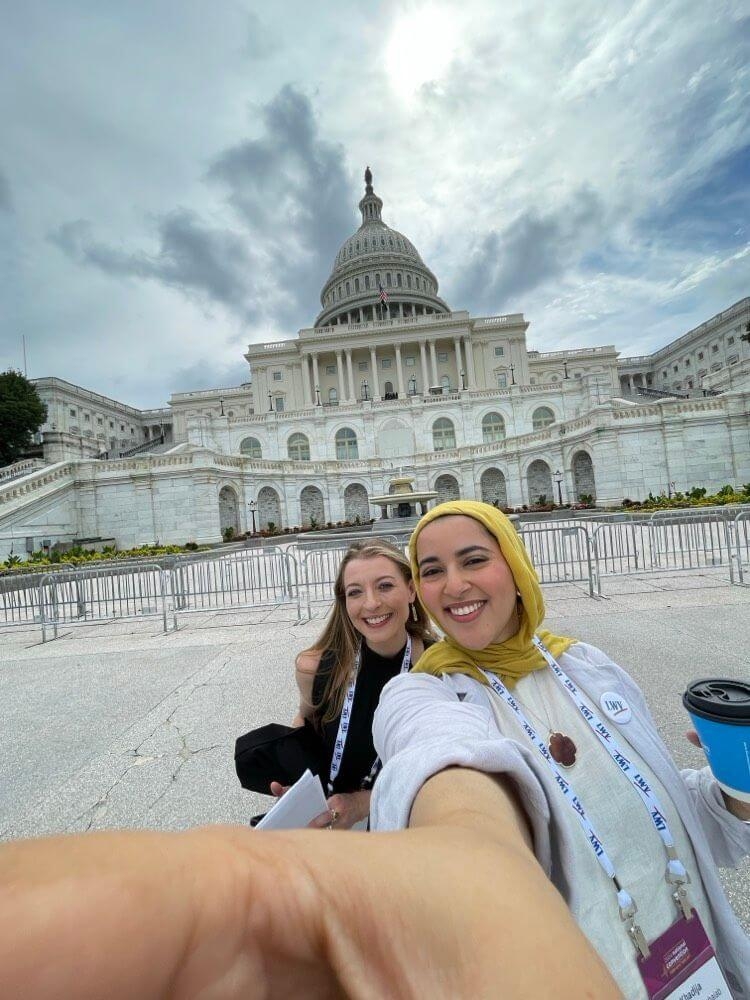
<point x="252" y="507"/>
<point x="565" y="369"/>
<point x="512" y="375"/>
<point x="221" y="404"/>
<point x="270" y="401"/>
<point x="463" y="380"/>
<point x="413" y="386"/>
<point x="365" y="388"/>
<point x="558" y="480"/>
<point x="317" y="395"/>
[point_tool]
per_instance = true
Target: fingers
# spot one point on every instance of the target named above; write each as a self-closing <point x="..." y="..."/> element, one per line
<point x="692" y="737"/>
<point x="278" y="789"/>
<point x="321" y="822"/>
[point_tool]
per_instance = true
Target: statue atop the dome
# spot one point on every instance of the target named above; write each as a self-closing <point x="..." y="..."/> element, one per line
<point x="368" y="181"/>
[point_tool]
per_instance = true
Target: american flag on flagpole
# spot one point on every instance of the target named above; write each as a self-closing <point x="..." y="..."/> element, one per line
<point x="383" y="293"/>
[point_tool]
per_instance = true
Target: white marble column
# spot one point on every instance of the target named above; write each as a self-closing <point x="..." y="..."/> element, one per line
<point x="341" y="381"/>
<point x="350" y="373"/>
<point x="316" y="379"/>
<point x="374" y="388"/>
<point x="399" y="372"/>
<point x="433" y="361"/>
<point x="425" y="376"/>
<point x="306" y="393"/>
<point x="470" y="372"/>
<point x="459" y="365"/>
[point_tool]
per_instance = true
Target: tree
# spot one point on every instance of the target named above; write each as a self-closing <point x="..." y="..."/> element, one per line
<point x="22" y="413"/>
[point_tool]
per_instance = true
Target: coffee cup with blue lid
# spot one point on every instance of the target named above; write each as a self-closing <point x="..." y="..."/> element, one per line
<point x="720" y="711"/>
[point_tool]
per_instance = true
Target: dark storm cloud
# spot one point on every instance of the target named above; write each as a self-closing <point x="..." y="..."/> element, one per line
<point x="534" y="248"/>
<point x="294" y="205"/>
<point x="5" y="200"/>
<point x="291" y="189"/>
<point x="206" y="373"/>
<point x="212" y="263"/>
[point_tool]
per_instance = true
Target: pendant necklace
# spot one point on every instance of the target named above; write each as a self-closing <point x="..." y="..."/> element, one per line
<point x="562" y="748"/>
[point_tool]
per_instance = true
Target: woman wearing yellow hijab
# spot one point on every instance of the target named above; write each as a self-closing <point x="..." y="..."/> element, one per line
<point x="579" y="770"/>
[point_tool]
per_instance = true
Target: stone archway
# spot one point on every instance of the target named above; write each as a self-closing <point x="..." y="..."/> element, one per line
<point x="311" y="506"/>
<point x="539" y="482"/>
<point x="584" y="483"/>
<point x="269" y="507"/>
<point x="493" y="488"/>
<point x="356" y="503"/>
<point x="447" y="488"/>
<point x="229" y="510"/>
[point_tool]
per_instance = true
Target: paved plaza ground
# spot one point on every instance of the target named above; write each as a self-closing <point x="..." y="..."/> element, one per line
<point x="120" y="725"/>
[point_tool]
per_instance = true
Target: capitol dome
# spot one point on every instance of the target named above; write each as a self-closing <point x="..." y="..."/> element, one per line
<point x="376" y="257"/>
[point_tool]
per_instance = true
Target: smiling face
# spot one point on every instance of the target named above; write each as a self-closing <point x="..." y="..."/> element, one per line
<point x="466" y="584"/>
<point x="377" y="601"/>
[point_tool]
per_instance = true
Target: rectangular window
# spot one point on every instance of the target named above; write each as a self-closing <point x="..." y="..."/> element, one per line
<point x="277" y="376"/>
<point x="410" y="361"/>
<point x="730" y="340"/>
<point x="388" y="280"/>
<point x="330" y="369"/>
<point x="367" y="281"/>
<point x="733" y="359"/>
<point x="442" y="356"/>
<point x="87" y="417"/>
<point x="72" y="412"/>
<point x="716" y="366"/>
<point x="99" y="421"/>
<point x="363" y="366"/>
<point x="399" y="280"/>
<point x="675" y="367"/>
<point x="714" y="348"/>
<point x="499" y="352"/>
<point x="386" y="362"/>
<point x="687" y="362"/>
<point x="279" y="404"/>
<point x="502" y="380"/>
<point x="111" y="425"/>
<point x="700" y="355"/>
<point x="663" y="374"/>
<point x="122" y="427"/>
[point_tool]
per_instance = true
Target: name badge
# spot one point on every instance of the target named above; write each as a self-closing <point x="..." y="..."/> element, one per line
<point x="682" y="965"/>
<point x="615" y="707"/>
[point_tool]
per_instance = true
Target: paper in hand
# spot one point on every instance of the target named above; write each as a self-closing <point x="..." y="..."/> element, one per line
<point x="299" y="804"/>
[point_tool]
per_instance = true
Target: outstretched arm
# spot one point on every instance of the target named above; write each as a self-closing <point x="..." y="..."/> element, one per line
<point x="438" y="911"/>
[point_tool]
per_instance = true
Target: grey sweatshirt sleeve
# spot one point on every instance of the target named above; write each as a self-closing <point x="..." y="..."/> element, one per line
<point x="422" y="727"/>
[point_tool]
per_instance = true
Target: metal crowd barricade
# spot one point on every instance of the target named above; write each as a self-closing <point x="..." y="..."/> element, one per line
<point x="95" y="594"/>
<point x="560" y="554"/>
<point x="19" y="600"/>
<point x="249" y="578"/>
<point x="738" y="532"/>
<point x="619" y="548"/>
<point x="319" y="567"/>
<point x="691" y="539"/>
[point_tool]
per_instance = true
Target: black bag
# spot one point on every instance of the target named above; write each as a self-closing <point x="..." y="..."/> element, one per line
<point x="277" y="753"/>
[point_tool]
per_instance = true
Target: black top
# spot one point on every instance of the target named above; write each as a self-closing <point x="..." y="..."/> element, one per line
<point x="359" y="753"/>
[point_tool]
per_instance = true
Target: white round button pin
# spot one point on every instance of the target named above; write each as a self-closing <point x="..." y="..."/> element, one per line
<point x="615" y="707"/>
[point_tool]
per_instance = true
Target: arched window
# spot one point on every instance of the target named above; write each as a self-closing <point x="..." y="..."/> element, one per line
<point x="251" y="447"/>
<point x="542" y="418"/>
<point x="493" y="428"/>
<point x="298" y="448"/>
<point x="443" y="434"/>
<point x="346" y="444"/>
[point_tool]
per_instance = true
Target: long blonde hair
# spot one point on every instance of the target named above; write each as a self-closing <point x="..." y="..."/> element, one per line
<point x="341" y="637"/>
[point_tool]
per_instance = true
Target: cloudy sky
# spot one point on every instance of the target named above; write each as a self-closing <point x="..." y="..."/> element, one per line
<point x="176" y="176"/>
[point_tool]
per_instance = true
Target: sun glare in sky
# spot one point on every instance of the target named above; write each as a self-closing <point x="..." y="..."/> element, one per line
<point x="420" y="48"/>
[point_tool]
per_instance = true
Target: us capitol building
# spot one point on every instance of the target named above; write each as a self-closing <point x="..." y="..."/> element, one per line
<point x="389" y="381"/>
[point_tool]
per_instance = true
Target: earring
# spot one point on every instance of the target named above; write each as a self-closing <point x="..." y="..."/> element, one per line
<point x="414" y="613"/>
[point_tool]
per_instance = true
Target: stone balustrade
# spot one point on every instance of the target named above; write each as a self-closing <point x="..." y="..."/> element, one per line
<point x="22" y="468"/>
<point x="35" y="482"/>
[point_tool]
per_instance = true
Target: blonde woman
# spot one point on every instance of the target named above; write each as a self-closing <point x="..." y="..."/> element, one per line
<point x="376" y="630"/>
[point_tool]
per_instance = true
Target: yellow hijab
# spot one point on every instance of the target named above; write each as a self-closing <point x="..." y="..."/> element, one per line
<point x="516" y="656"/>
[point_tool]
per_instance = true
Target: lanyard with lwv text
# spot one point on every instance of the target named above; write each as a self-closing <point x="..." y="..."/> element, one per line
<point x="346" y="711"/>
<point x="625" y="901"/>
<point x="676" y="875"/>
